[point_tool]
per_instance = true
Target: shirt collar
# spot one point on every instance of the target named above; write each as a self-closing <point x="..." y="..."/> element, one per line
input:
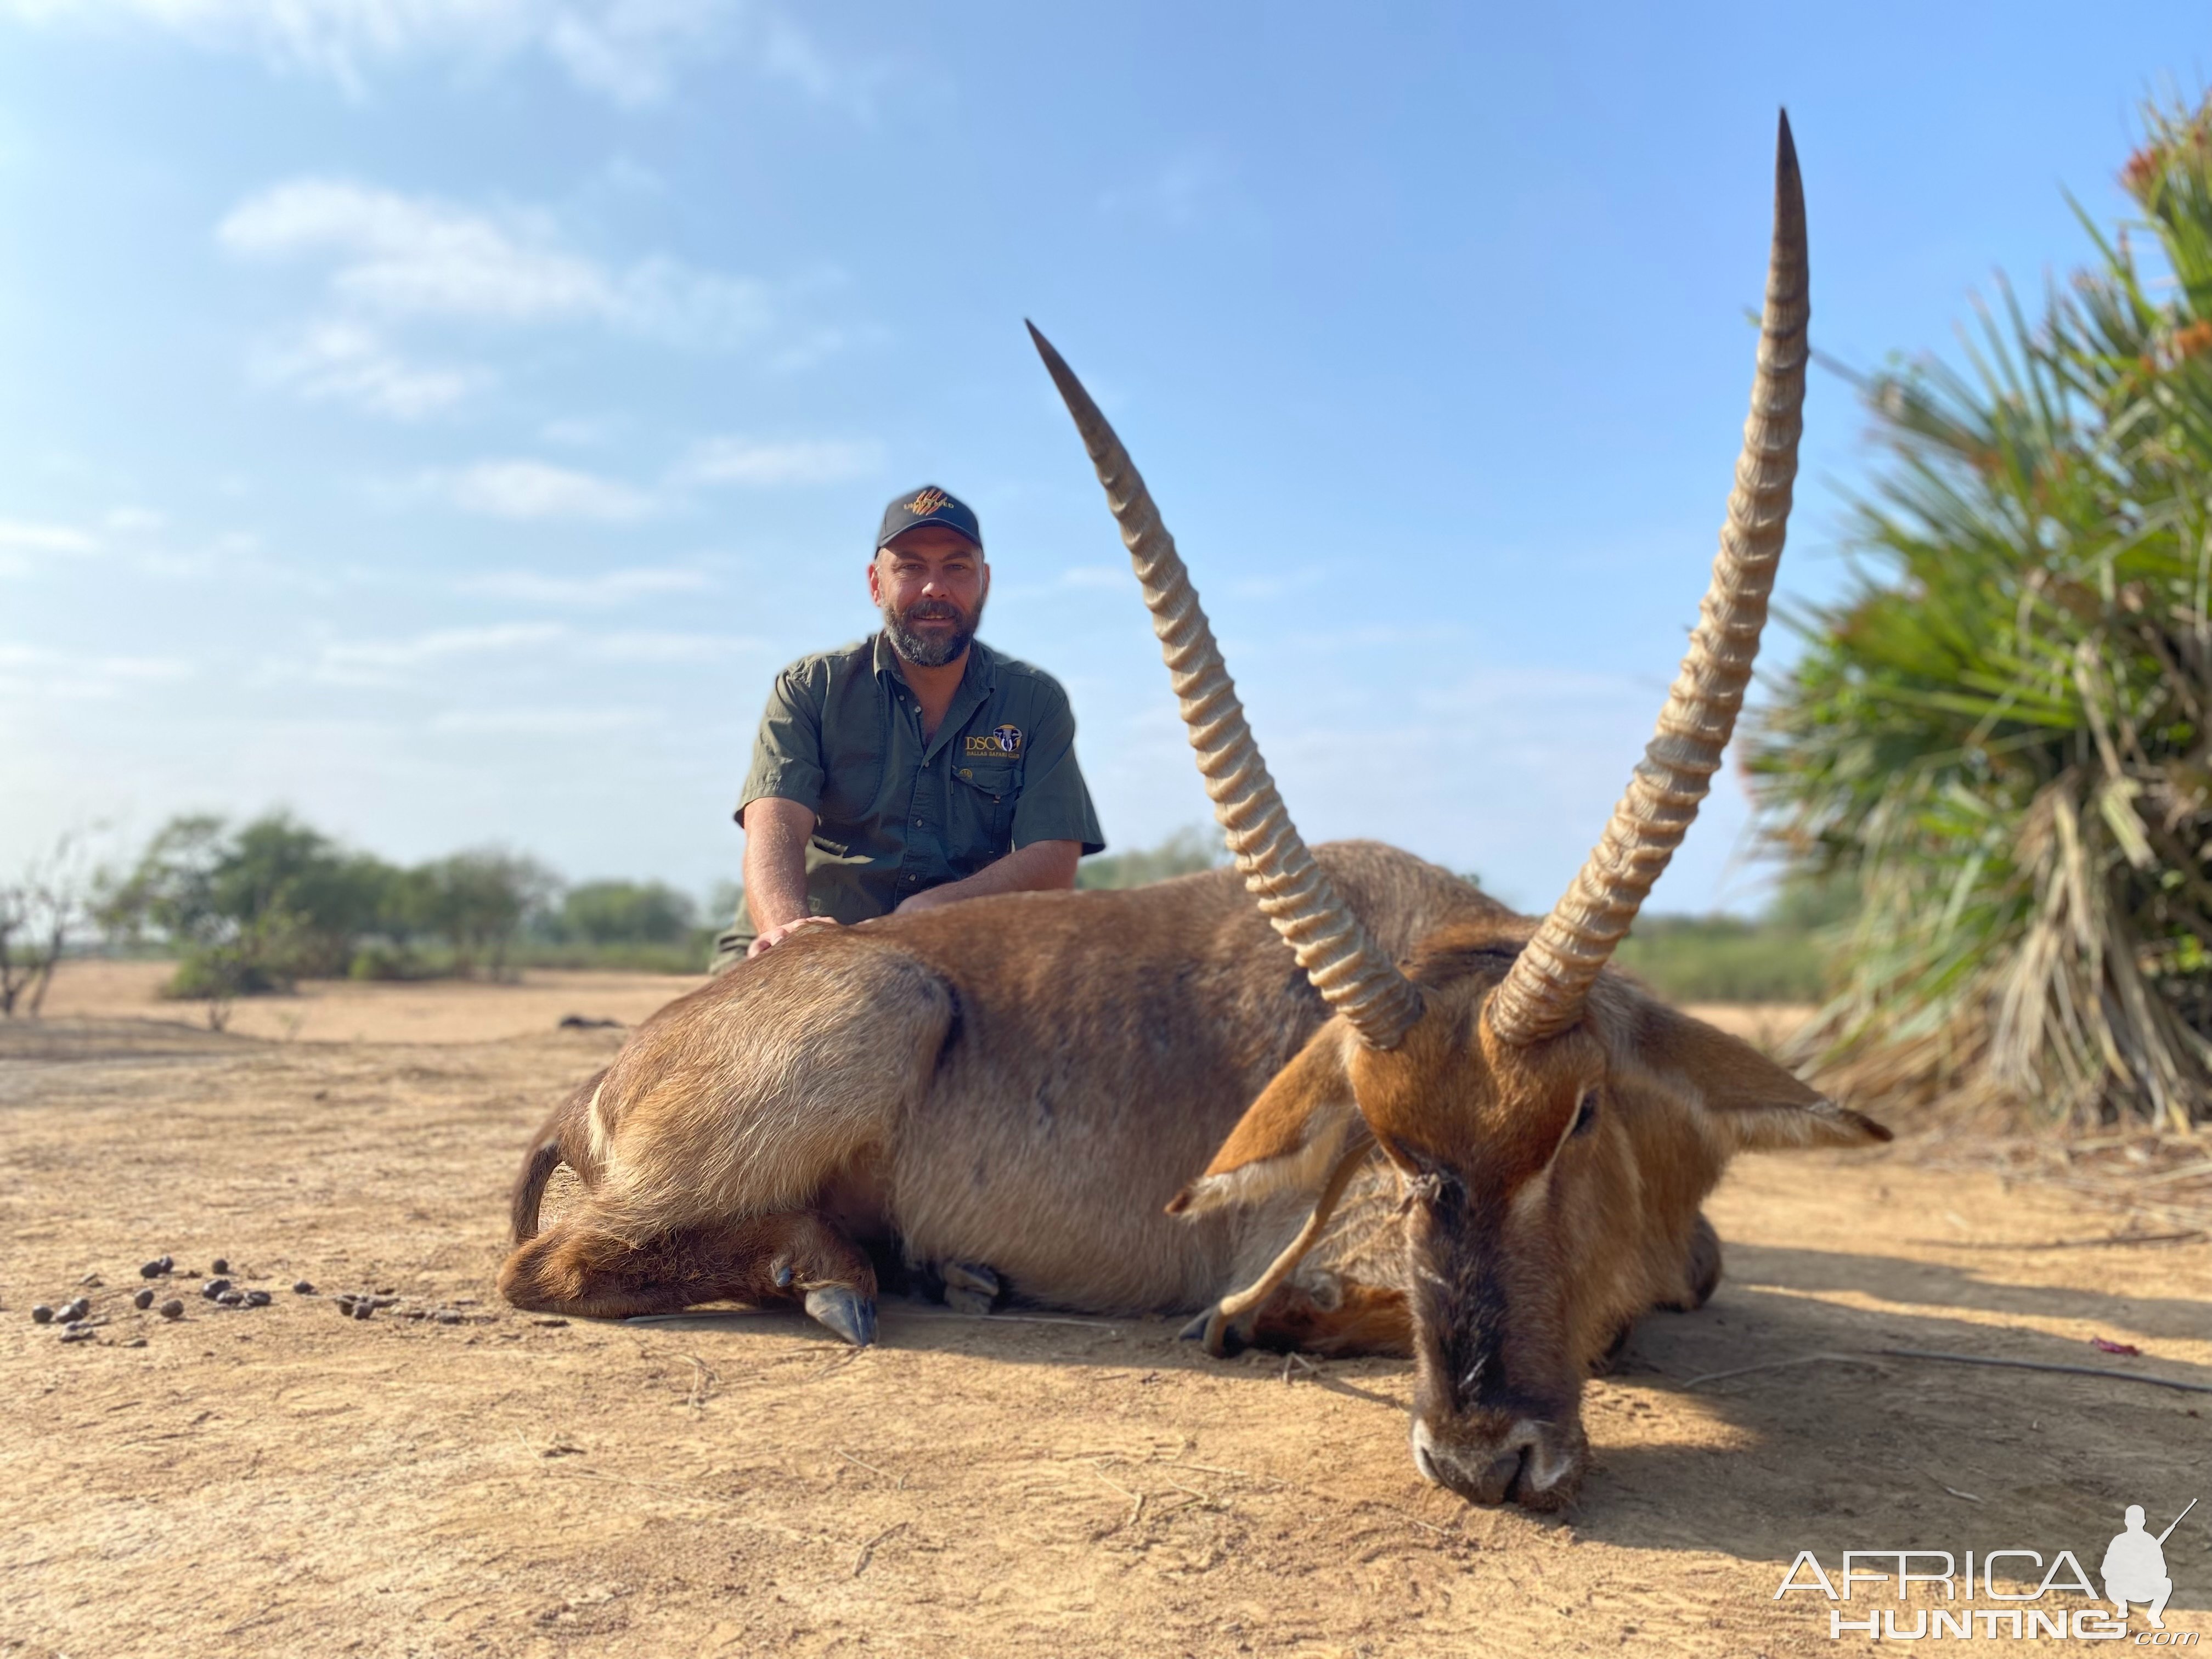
<point x="982" y="674"/>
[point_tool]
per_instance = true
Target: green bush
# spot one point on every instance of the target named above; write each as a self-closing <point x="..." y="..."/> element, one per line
<point x="379" y="960"/>
<point x="1184" y="852"/>
<point x="1723" y="959"/>
<point x="623" y="912"/>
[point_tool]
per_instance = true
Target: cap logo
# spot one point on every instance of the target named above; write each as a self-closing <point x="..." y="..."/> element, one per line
<point x="929" y="500"/>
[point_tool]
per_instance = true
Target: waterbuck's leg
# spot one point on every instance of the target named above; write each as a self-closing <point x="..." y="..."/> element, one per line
<point x="575" y="1267"/>
<point x="1365" y="1319"/>
<point x="1231" y="1321"/>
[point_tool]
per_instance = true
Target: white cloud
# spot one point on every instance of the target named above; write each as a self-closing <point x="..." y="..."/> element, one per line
<point x="374" y="661"/>
<point x="628" y="51"/>
<point x="345" y="362"/>
<point x="30" y="672"/>
<point x="45" y="537"/>
<point x="625" y="50"/>
<point x="646" y="646"/>
<point x="532" y="489"/>
<point x="1187" y="188"/>
<point x="402" y="256"/>
<point x="20" y="543"/>
<point x="743" y="461"/>
<point x="541" y="722"/>
<point x="607" y="587"/>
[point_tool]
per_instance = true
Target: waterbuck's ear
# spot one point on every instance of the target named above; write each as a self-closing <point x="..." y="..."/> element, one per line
<point x="1290" y="1137"/>
<point x="1759" y="1106"/>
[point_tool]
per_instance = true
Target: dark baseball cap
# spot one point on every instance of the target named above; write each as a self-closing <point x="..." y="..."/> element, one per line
<point x="929" y="505"/>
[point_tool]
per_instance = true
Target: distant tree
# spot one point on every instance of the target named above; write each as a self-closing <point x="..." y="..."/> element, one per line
<point x="329" y="896"/>
<point x="37" y="914"/>
<point x="480" y="900"/>
<point x="1184" y="852"/>
<point x="627" y="913"/>
<point x="185" y="887"/>
<point x="248" y="911"/>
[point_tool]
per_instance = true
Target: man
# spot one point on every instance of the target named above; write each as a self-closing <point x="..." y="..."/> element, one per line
<point x="916" y="768"/>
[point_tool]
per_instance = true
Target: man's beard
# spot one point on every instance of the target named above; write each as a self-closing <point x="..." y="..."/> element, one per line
<point x="919" y="648"/>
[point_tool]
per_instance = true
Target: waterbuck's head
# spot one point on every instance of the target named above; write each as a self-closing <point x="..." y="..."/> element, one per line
<point x="1555" y="1127"/>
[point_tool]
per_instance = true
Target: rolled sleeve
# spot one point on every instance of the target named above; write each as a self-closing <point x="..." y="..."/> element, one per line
<point x="1055" y="802"/>
<point x="787" y="754"/>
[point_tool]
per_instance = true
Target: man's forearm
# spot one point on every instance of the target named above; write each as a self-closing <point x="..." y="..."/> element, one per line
<point x="775" y="861"/>
<point x="1042" y="866"/>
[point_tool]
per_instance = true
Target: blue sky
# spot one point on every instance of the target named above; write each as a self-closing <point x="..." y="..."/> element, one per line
<point x="440" y="417"/>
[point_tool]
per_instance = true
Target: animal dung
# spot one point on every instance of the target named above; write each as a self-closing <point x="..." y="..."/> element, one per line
<point x="231" y="1299"/>
<point x="173" y="1308"/>
<point x="214" y="1288"/>
<point x="71" y="1312"/>
<point x="257" y="1298"/>
<point x="159" y="1266"/>
<point x="301" y="1288"/>
<point x="219" y="1266"/>
<point x="142" y="1300"/>
<point x="42" y="1315"/>
<point x="79" y="1333"/>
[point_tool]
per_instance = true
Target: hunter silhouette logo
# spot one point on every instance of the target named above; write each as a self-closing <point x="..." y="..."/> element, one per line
<point x="2134" y="1568"/>
<point x="932" y="500"/>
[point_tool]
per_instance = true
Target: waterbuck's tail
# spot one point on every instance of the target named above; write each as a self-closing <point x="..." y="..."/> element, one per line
<point x="565" y="1137"/>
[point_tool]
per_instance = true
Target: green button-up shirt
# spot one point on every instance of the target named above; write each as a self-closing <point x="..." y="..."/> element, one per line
<point x="895" y="815"/>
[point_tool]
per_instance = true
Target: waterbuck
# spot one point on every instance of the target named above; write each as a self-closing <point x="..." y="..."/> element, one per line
<point x="1121" y="1102"/>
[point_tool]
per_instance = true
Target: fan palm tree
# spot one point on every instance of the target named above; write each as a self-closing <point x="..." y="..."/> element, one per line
<point x="2004" y="733"/>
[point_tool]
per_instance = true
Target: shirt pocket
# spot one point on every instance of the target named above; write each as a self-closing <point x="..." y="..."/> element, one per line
<point x="850" y="783"/>
<point x="983" y="800"/>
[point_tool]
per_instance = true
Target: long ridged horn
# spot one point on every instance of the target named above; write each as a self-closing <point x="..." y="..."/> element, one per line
<point x="1543" y="994"/>
<point x="1352" y="972"/>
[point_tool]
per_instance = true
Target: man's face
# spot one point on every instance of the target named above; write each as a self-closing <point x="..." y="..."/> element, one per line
<point x="930" y="584"/>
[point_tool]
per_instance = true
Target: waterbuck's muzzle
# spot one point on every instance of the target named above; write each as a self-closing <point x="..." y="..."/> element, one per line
<point x="1489" y="1457"/>
<point x="1497" y="1402"/>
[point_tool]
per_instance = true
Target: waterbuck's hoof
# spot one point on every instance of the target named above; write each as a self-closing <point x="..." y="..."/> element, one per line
<point x="850" y="1314"/>
<point x="1224" y="1337"/>
<point x="968" y="1289"/>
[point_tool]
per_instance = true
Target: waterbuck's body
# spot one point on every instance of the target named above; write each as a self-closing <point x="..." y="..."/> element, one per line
<point x="1022" y="1082"/>
<point x="1028" y="1082"/>
<point x="1023" y="1085"/>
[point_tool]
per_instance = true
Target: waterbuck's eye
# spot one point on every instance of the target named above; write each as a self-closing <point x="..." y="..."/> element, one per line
<point x="1585" y="1114"/>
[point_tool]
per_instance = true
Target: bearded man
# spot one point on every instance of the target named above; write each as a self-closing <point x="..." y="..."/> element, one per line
<point x="916" y="768"/>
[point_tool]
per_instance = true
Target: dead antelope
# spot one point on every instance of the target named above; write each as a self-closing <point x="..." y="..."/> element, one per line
<point x="1028" y="1082"/>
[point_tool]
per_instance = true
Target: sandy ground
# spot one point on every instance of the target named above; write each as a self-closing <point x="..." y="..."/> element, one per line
<point x="286" y="1480"/>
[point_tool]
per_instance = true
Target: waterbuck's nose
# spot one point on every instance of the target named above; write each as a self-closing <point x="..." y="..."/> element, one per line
<point x="1529" y="1464"/>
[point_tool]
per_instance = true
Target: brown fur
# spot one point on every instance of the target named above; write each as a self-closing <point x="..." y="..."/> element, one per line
<point x="565" y="1139"/>
<point x="1028" y="1081"/>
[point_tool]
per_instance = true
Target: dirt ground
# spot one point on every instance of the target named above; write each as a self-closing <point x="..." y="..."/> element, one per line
<point x="287" y="1481"/>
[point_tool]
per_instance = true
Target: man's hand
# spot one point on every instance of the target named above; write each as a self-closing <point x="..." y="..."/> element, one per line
<point x="1042" y="866"/>
<point x="776" y="935"/>
<point x="776" y="869"/>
